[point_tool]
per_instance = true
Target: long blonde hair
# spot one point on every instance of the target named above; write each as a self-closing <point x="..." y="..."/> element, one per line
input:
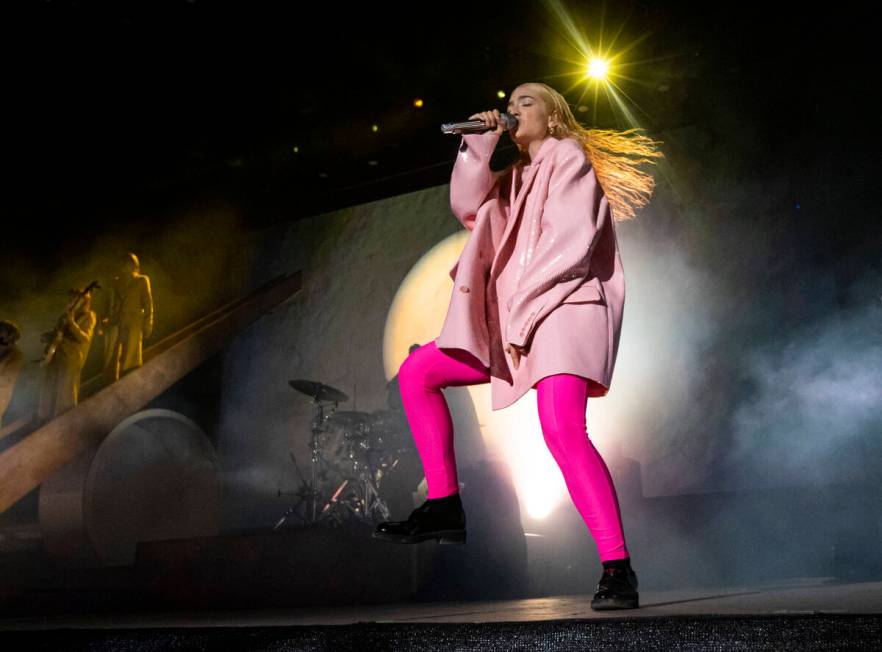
<point x="612" y="154"/>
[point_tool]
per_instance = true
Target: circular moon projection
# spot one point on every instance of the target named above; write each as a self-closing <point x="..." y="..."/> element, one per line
<point x="514" y="434"/>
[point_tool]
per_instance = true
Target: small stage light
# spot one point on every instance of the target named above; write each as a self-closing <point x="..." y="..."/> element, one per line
<point x="295" y="150"/>
<point x="598" y="68"/>
<point x="375" y="128"/>
<point x="500" y="94"/>
<point x="418" y="103"/>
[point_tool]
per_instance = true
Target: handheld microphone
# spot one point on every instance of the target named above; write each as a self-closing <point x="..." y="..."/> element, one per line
<point x="476" y="126"/>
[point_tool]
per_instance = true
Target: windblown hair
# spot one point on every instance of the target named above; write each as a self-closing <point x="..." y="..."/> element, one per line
<point x="614" y="155"/>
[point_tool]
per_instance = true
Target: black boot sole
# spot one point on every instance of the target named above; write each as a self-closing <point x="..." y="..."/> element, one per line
<point x="606" y="604"/>
<point x="442" y="536"/>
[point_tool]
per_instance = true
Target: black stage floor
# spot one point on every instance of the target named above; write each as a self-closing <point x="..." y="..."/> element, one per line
<point x="810" y="614"/>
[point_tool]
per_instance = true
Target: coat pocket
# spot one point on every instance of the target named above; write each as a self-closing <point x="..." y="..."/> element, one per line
<point x="584" y="294"/>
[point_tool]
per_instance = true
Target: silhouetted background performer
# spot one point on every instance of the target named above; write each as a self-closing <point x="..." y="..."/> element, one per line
<point x="61" y="382"/>
<point x="129" y="320"/>
<point x="11" y="362"/>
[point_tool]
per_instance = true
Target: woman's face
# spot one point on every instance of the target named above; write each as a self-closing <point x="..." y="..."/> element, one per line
<point x="527" y="105"/>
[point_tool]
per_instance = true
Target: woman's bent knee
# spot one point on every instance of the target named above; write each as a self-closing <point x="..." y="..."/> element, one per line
<point x="417" y="366"/>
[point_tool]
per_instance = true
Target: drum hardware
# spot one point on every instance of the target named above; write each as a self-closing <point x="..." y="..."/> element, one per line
<point x="373" y="502"/>
<point x="331" y="509"/>
<point x="320" y="394"/>
<point x="318" y="391"/>
<point x="351" y="453"/>
<point x="303" y="494"/>
<point x="361" y="504"/>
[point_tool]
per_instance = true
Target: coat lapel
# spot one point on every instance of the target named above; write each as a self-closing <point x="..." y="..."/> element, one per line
<point x="517" y="201"/>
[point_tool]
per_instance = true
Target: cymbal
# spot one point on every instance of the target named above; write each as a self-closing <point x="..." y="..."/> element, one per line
<point x="318" y="391"/>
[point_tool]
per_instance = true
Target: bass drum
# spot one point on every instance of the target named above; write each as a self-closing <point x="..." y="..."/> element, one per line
<point x="155" y="476"/>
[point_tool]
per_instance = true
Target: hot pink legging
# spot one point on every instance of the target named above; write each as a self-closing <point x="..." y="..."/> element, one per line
<point x="562" y="401"/>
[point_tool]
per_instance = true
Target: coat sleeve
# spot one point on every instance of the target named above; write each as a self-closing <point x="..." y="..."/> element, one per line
<point x="472" y="181"/>
<point x="575" y="211"/>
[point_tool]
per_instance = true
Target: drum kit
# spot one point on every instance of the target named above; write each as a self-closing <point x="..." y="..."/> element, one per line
<point x="353" y="456"/>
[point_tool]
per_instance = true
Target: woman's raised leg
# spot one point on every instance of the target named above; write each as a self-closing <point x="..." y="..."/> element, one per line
<point x="421" y="377"/>
<point x="562" y="400"/>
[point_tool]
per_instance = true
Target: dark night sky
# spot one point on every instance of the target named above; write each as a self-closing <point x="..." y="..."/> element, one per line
<point x="119" y="110"/>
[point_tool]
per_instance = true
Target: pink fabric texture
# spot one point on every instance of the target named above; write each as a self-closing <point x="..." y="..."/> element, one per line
<point x="540" y="268"/>
<point x="561" y="400"/>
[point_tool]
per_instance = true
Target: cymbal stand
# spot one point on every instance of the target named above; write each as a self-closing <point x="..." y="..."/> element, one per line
<point x="373" y="502"/>
<point x="318" y="422"/>
<point x="304" y="491"/>
<point x="308" y="492"/>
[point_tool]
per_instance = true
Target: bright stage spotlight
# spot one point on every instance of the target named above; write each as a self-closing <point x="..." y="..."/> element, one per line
<point x="598" y="69"/>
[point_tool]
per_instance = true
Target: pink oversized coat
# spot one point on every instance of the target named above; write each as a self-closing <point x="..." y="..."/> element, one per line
<point x="541" y="268"/>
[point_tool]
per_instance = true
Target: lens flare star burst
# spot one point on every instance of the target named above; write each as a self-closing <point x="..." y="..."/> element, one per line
<point x="595" y="65"/>
<point x="598" y="69"/>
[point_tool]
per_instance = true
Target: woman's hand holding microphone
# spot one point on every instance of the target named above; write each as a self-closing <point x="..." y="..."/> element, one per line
<point x="492" y="119"/>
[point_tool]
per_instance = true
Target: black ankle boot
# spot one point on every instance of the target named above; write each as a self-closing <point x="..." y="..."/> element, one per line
<point x="617" y="588"/>
<point x="442" y="519"/>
